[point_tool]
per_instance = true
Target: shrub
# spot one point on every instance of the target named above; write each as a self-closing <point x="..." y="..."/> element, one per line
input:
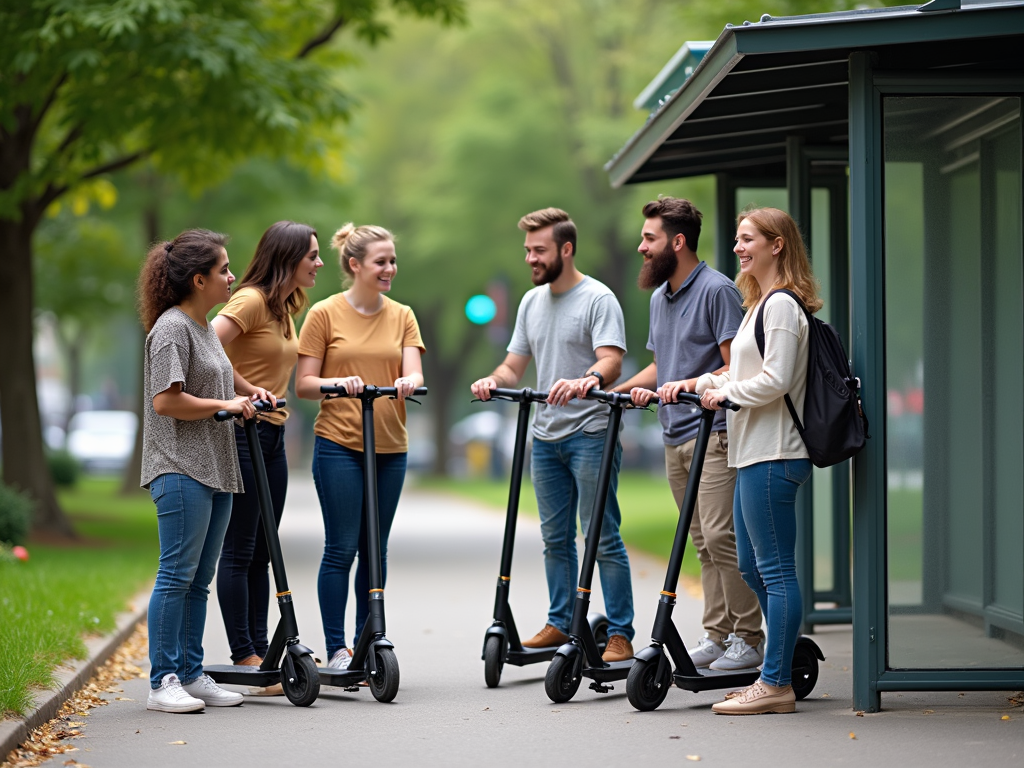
<point x="15" y="515"/>
<point x="64" y="468"/>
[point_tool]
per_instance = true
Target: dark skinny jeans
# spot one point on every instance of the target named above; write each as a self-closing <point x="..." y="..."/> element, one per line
<point x="243" y="582"/>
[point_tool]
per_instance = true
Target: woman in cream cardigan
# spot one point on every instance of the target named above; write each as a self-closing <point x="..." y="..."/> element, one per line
<point x="764" y="445"/>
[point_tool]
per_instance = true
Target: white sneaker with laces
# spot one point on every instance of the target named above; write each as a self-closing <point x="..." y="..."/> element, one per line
<point x="172" y="697"/>
<point x="204" y="688"/>
<point x="739" y="655"/>
<point x="705" y="652"/>
<point x="341" y="659"/>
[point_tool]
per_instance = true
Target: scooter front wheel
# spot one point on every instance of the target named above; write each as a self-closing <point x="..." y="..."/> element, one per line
<point x="643" y="688"/>
<point x="384" y="685"/>
<point x="562" y="680"/>
<point x="805" y="670"/>
<point x="494" y="660"/>
<point x="300" y="680"/>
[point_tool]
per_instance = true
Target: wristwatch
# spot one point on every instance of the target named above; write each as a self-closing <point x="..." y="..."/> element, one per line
<point x="596" y="375"/>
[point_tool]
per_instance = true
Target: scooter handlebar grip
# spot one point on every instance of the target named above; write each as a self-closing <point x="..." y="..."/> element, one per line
<point x="261" y="405"/>
<point x="520" y="394"/>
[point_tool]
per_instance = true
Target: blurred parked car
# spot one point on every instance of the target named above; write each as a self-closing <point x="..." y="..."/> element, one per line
<point x="102" y="441"/>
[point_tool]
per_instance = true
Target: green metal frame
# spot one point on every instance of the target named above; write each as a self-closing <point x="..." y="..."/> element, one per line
<point x="870" y="612"/>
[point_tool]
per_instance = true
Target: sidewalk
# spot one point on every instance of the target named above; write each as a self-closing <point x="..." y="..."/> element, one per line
<point x="442" y="568"/>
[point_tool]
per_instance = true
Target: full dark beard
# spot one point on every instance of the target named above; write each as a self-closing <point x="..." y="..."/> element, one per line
<point x="657" y="270"/>
<point x="548" y="274"/>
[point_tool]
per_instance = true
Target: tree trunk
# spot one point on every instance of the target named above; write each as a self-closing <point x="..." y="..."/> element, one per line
<point x="151" y="225"/>
<point x="24" y="463"/>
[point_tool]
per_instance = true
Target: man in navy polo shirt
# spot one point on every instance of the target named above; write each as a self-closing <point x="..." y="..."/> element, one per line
<point x="695" y="313"/>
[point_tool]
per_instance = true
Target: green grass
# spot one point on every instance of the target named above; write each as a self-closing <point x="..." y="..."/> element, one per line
<point x="48" y="604"/>
<point x="649" y="513"/>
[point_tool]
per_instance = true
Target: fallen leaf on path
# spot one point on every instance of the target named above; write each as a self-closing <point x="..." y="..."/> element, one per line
<point x="177" y="742"/>
<point x="860" y="713"/>
<point x="928" y="712"/>
<point x="853" y="735"/>
<point x="123" y="698"/>
<point x="1005" y="717"/>
<point x="826" y="695"/>
<point x="674" y="737"/>
<point x="694" y="758"/>
<point x="485" y="709"/>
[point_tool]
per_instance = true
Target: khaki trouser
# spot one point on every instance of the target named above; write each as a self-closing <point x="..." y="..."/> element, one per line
<point x="729" y="604"/>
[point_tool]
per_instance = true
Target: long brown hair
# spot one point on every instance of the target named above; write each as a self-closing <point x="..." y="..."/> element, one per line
<point x="279" y="252"/>
<point x="793" y="266"/>
<point x="166" y="277"/>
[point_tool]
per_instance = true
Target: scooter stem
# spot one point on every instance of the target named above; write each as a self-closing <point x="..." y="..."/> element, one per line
<point x="597" y="515"/>
<point x="370" y="496"/>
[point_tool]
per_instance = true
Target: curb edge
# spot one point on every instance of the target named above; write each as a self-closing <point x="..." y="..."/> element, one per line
<point x="72" y="677"/>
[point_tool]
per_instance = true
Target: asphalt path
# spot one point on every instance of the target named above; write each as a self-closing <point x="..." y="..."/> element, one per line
<point x="443" y="565"/>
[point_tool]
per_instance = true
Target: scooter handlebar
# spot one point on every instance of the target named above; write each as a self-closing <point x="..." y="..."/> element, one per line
<point x="614" y="398"/>
<point x="369" y="390"/>
<point x="694" y="399"/>
<point x="519" y="395"/>
<point x="262" y="406"/>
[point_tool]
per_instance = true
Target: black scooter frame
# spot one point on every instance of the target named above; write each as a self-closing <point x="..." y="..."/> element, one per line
<point x="650" y="677"/>
<point x="506" y="647"/>
<point x="287" y="661"/>
<point x="581" y="655"/>
<point x="373" y="658"/>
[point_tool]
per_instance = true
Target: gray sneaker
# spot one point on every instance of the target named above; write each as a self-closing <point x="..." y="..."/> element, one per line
<point x="705" y="652"/>
<point x="739" y="655"/>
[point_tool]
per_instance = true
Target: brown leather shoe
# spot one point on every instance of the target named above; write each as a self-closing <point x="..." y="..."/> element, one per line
<point x="252" y="661"/>
<point x="759" y="699"/>
<point x="546" y="638"/>
<point x="618" y="649"/>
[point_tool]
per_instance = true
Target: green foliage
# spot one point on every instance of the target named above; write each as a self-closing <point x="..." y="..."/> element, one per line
<point x="64" y="468"/>
<point x="15" y="515"/>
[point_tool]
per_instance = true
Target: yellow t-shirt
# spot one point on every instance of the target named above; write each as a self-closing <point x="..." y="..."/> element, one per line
<point x="369" y="346"/>
<point x="260" y="353"/>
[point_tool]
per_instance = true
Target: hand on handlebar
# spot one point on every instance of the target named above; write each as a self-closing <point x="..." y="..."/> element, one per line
<point x="264" y="394"/>
<point x="711" y="399"/>
<point x="404" y="387"/>
<point x="240" y="406"/>
<point x="564" y="390"/>
<point x="352" y="384"/>
<point x="641" y="397"/>
<point x="669" y="391"/>
<point x="481" y="388"/>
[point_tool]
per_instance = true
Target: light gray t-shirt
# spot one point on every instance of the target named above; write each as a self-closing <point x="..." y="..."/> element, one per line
<point x="687" y="328"/>
<point x="561" y="331"/>
<point x="178" y="349"/>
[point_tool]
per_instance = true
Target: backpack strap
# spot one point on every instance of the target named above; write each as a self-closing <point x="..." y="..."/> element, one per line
<point x="759" y="338"/>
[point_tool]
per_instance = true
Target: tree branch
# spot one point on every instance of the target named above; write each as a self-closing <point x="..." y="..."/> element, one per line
<point x="323" y="38"/>
<point x="52" y="191"/>
<point x="48" y="101"/>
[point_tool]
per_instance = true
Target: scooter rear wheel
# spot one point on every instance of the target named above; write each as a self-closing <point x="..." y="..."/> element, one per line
<point x="384" y="685"/>
<point x="561" y="681"/>
<point x="300" y="680"/>
<point x="805" y="670"/>
<point x="643" y="688"/>
<point x="494" y="660"/>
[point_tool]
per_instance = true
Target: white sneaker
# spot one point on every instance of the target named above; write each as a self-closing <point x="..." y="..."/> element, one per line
<point x="204" y="688"/>
<point x="172" y="697"/>
<point x="341" y="659"/>
<point x="739" y="655"/>
<point x="705" y="652"/>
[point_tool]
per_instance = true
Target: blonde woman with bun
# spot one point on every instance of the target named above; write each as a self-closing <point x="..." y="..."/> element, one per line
<point x="764" y="444"/>
<point x="354" y="338"/>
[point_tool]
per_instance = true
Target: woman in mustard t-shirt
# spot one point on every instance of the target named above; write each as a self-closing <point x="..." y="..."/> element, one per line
<point x="258" y="334"/>
<point x="357" y="337"/>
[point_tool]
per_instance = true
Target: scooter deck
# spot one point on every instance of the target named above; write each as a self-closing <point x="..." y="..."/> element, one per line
<point x="342" y="678"/>
<point x="611" y="671"/>
<point x="714" y="679"/>
<point x="530" y="655"/>
<point x="232" y="674"/>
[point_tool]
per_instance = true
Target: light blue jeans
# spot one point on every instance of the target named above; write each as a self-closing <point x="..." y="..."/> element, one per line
<point x="191" y="518"/>
<point x="764" y="515"/>
<point x="564" y="478"/>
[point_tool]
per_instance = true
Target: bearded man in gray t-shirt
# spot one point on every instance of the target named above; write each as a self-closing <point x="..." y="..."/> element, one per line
<point x="572" y="325"/>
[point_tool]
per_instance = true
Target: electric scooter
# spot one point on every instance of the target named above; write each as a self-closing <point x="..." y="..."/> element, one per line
<point x="652" y="674"/>
<point x="373" y="659"/>
<point x="581" y="656"/>
<point x="287" y="661"/>
<point x="501" y="641"/>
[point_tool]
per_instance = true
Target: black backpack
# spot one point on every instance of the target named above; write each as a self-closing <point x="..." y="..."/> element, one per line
<point x="834" y="427"/>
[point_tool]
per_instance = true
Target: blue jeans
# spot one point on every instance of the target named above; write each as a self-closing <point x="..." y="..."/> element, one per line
<point x="764" y="515"/>
<point x="338" y="476"/>
<point x="191" y="518"/>
<point x="243" y="583"/>
<point x="564" y="478"/>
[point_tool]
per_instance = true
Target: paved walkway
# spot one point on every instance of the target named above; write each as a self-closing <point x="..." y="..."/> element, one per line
<point x="442" y="569"/>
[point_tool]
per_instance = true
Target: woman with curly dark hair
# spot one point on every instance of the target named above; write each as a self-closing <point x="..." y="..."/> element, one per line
<point x="259" y="337"/>
<point x="189" y="462"/>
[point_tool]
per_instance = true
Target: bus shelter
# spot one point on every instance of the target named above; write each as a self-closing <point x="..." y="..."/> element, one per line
<point x="893" y="137"/>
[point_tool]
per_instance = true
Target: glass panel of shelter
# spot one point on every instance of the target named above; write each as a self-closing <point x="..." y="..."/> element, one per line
<point x="954" y="372"/>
